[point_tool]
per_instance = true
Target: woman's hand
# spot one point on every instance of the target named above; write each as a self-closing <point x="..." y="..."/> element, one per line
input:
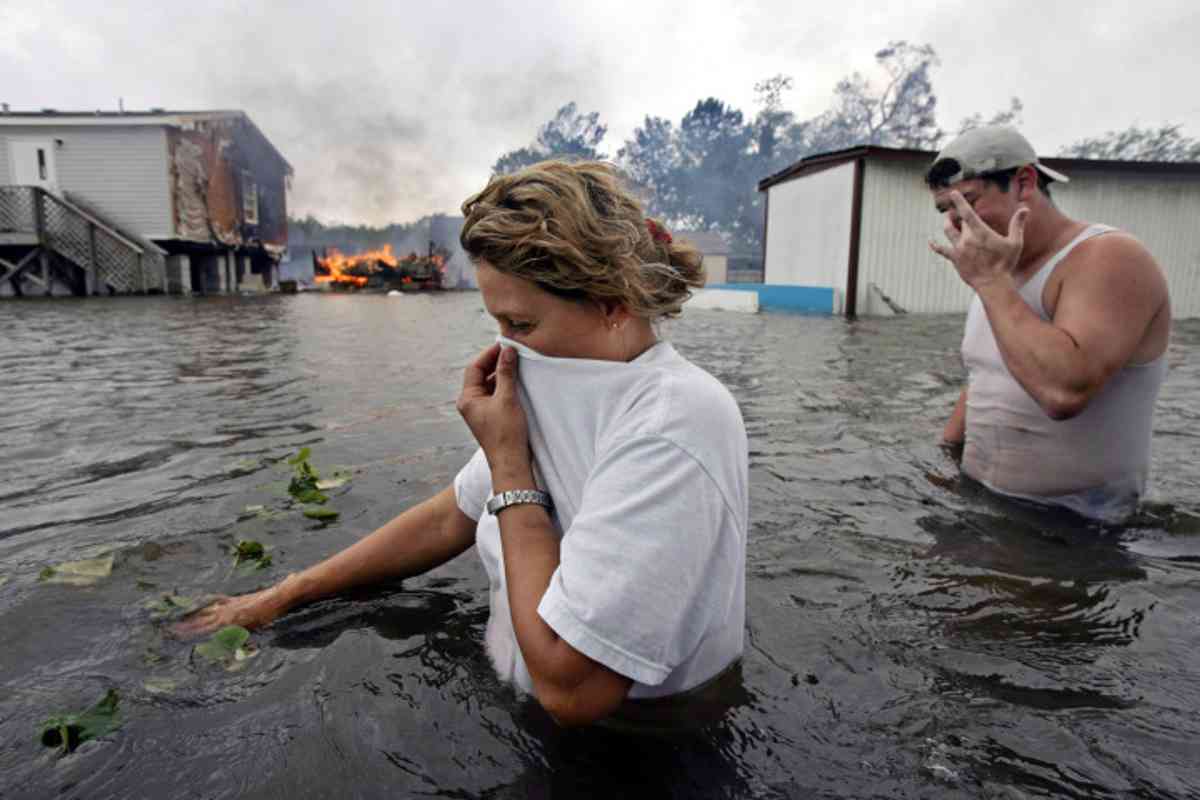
<point x="247" y="610"/>
<point x="492" y="410"/>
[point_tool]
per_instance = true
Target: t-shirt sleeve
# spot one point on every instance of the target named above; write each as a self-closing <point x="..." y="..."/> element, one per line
<point x="646" y="564"/>
<point x="473" y="486"/>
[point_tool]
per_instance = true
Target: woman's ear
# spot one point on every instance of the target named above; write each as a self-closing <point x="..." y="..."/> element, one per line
<point x="614" y="312"/>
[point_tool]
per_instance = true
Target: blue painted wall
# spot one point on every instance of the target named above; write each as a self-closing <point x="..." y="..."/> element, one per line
<point x="775" y="297"/>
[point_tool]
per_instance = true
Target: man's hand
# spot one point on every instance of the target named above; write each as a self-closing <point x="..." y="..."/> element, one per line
<point x="492" y="410"/>
<point x="980" y="255"/>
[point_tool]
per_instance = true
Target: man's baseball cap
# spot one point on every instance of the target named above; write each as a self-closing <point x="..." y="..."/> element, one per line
<point x="992" y="148"/>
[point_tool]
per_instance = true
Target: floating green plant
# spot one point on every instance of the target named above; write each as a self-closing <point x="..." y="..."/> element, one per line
<point x="321" y="514"/>
<point x="79" y="573"/>
<point x="250" y="555"/>
<point x="67" y="731"/>
<point x="228" y="646"/>
<point x="170" y="605"/>
<point x="304" y="482"/>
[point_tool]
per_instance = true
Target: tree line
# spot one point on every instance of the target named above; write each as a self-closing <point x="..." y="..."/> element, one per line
<point x="702" y="172"/>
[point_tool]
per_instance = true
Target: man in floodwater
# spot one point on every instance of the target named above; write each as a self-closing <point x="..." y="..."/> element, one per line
<point x="1065" y="338"/>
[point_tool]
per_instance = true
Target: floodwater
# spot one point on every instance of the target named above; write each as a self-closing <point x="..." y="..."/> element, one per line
<point x="907" y="635"/>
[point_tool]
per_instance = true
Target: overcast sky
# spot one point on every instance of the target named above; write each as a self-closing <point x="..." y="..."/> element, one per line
<point x="390" y="110"/>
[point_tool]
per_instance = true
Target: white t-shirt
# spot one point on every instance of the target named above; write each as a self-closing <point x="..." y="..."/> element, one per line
<point x="647" y="463"/>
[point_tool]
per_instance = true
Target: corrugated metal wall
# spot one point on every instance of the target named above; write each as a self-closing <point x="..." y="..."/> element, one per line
<point x="120" y="171"/>
<point x="808" y="229"/>
<point x="1161" y="210"/>
<point x="898" y="219"/>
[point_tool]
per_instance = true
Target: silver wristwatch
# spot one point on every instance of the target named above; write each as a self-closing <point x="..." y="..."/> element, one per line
<point x="499" y="502"/>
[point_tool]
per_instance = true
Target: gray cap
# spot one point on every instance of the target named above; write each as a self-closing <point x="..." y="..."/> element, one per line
<point x="992" y="148"/>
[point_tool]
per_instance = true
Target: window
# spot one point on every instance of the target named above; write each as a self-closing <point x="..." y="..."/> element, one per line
<point x="249" y="199"/>
<point x="41" y="164"/>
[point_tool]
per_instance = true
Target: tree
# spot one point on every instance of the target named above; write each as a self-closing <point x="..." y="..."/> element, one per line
<point x="569" y="135"/>
<point x="650" y="161"/>
<point x="1009" y="116"/>
<point x="900" y="113"/>
<point x="772" y="123"/>
<point x="1164" y="143"/>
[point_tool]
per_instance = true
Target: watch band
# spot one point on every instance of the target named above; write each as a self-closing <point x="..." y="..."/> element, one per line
<point x="515" y="497"/>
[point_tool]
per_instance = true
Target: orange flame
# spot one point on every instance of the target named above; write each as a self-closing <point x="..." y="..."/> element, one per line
<point x="339" y="265"/>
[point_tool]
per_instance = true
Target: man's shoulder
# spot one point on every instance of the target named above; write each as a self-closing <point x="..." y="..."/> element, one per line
<point x="1112" y="262"/>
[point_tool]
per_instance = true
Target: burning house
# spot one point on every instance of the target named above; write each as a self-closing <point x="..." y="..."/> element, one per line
<point x="425" y="255"/>
<point x="381" y="269"/>
<point x="175" y="201"/>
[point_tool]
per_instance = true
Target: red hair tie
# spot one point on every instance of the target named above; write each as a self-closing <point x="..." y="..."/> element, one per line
<point x="657" y="233"/>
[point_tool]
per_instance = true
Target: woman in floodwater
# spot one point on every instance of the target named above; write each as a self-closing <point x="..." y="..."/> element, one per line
<point x="608" y="496"/>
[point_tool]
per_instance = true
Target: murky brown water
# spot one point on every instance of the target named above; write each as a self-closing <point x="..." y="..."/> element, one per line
<point x="909" y="637"/>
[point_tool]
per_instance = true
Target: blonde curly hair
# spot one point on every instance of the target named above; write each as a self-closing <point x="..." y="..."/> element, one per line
<point x="576" y="231"/>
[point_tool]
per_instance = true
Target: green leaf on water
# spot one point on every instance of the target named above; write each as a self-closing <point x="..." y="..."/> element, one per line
<point x="170" y="605"/>
<point x="250" y="555"/>
<point x="333" y="483"/>
<point x="79" y="573"/>
<point x="307" y="494"/>
<point x="227" y="646"/>
<point x="160" y="685"/>
<point x="67" y="731"/>
<point x="249" y="550"/>
<point x="321" y="514"/>
<point x="3" y="579"/>
<point x="305" y="480"/>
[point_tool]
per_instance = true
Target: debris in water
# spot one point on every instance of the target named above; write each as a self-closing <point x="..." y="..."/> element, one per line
<point x="79" y="573"/>
<point x="68" y="731"/>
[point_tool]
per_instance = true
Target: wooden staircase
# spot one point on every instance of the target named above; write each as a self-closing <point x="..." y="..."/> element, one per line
<point x="48" y="241"/>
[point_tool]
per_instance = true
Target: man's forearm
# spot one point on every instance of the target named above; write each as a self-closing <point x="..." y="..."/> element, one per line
<point x="956" y="427"/>
<point x="1043" y="358"/>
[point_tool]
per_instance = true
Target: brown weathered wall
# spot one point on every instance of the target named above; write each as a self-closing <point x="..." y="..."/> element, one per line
<point x="206" y="175"/>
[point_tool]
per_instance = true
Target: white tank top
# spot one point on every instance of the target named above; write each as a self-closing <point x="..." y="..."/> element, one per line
<point x="1096" y="463"/>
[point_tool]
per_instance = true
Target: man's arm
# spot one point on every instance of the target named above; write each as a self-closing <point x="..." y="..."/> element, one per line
<point x="956" y="427"/>
<point x="1105" y="307"/>
<point x="423" y="537"/>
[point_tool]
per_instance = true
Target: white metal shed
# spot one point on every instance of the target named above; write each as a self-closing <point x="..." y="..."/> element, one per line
<point x="857" y="221"/>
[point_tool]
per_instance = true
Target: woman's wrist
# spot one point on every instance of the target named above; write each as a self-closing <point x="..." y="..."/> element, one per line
<point x="514" y="474"/>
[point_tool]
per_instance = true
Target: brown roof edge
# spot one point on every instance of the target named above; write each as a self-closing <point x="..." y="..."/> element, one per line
<point x="836" y="157"/>
<point x="833" y="158"/>
<point x="149" y="117"/>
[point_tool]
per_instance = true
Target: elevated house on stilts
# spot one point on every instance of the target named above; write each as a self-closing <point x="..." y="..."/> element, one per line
<point x="139" y="202"/>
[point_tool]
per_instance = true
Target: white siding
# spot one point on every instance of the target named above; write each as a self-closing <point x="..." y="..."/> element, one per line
<point x="119" y="171"/>
<point x="716" y="269"/>
<point x="5" y="170"/>
<point x="808" y="229"/>
<point x="898" y="219"/>
<point x="1161" y="210"/>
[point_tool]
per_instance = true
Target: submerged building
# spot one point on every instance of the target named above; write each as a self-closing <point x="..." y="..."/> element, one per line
<point x="154" y="201"/>
<point x="853" y="227"/>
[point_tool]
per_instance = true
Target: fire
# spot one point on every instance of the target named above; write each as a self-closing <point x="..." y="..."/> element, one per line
<point x="340" y="265"/>
<point x="381" y="268"/>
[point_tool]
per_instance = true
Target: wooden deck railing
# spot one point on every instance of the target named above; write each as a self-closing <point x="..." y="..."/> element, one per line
<point x="101" y="251"/>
